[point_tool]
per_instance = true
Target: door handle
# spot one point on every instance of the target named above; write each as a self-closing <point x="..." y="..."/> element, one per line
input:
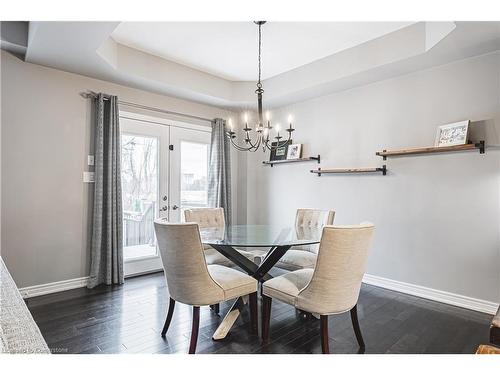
<point x="164" y="208"/>
<point x="175" y="207"/>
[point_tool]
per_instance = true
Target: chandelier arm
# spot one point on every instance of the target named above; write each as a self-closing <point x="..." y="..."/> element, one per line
<point x="284" y="143"/>
<point x="247" y="139"/>
<point x="257" y="144"/>
<point x="281" y="144"/>
<point x="264" y="144"/>
<point x="288" y="139"/>
<point x="238" y="147"/>
<point x="247" y="136"/>
<point x="267" y="144"/>
<point x="261" y="137"/>
<point x="252" y="144"/>
<point x="270" y="148"/>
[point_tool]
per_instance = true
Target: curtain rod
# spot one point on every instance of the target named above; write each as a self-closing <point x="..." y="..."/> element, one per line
<point x="91" y="94"/>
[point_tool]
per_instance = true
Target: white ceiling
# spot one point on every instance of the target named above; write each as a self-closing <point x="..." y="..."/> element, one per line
<point x="229" y="49"/>
<point x="88" y="48"/>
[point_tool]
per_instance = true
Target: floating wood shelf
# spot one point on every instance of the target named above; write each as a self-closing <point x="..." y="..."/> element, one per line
<point x="271" y="163"/>
<point x="320" y="171"/>
<point x="432" y="150"/>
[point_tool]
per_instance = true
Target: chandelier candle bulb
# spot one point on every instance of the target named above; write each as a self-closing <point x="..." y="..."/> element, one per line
<point x="278" y="133"/>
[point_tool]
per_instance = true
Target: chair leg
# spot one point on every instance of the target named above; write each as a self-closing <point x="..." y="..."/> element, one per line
<point x="215" y="308"/>
<point x="170" y="313"/>
<point x="266" y="317"/>
<point x="194" y="329"/>
<point x="253" y="312"/>
<point x="355" y="325"/>
<point x="324" y="334"/>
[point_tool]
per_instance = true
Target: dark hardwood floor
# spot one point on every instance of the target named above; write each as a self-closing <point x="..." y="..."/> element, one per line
<point x="129" y="319"/>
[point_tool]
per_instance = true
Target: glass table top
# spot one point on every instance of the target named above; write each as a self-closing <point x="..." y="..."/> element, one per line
<point x="259" y="235"/>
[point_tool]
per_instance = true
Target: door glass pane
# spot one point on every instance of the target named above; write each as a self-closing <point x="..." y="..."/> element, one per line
<point x="139" y="195"/>
<point x="194" y="175"/>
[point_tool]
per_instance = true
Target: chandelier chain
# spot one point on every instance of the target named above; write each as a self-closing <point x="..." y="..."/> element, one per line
<point x="260" y="47"/>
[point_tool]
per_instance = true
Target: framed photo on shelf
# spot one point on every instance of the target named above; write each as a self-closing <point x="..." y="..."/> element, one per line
<point x="279" y="153"/>
<point x="452" y="134"/>
<point x="294" y="151"/>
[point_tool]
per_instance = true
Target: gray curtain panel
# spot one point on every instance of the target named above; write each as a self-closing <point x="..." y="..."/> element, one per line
<point x="107" y="237"/>
<point x="219" y="171"/>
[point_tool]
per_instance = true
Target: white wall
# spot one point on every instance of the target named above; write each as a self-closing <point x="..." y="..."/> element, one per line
<point x="46" y="128"/>
<point x="436" y="216"/>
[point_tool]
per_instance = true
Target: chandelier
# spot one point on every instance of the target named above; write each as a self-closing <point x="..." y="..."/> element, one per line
<point x="262" y="137"/>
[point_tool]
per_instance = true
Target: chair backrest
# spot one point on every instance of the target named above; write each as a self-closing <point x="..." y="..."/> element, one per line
<point x="336" y="280"/>
<point x="205" y="217"/>
<point x="311" y="219"/>
<point x="184" y="264"/>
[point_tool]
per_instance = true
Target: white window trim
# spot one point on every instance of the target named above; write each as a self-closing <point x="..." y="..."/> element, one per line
<point x="164" y="121"/>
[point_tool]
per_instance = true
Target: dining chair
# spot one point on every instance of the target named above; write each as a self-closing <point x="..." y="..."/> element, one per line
<point x="487" y="349"/>
<point x="495" y="329"/>
<point x="191" y="281"/>
<point x="207" y="218"/>
<point x="304" y="256"/>
<point x="332" y="287"/>
<point x="212" y="218"/>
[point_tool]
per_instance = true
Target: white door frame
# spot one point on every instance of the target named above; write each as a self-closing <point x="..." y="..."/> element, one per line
<point x="135" y="267"/>
<point x="164" y="121"/>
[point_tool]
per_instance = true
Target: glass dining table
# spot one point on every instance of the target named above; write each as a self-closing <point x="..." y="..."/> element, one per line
<point x="277" y="240"/>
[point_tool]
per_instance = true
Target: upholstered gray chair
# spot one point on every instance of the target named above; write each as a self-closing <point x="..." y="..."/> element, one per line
<point x="332" y="287"/>
<point x="299" y="257"/>
<point x="191" y="281"/>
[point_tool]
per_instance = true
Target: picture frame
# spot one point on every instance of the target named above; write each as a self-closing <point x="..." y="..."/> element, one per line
<point x="456" y="133"/>
<point x="294" y="151"/>
<point x="279" y="153"/>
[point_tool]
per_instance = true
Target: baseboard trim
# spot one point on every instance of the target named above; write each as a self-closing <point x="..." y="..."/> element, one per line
<point x="58" y="286"/>
<point x="433" y="294"/>
<point x="470" y="303"/>
<point x="61" y="286"/>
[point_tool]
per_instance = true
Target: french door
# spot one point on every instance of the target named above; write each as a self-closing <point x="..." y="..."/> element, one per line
<point x="164" y="171"/>
<point x="188" y="170"/>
